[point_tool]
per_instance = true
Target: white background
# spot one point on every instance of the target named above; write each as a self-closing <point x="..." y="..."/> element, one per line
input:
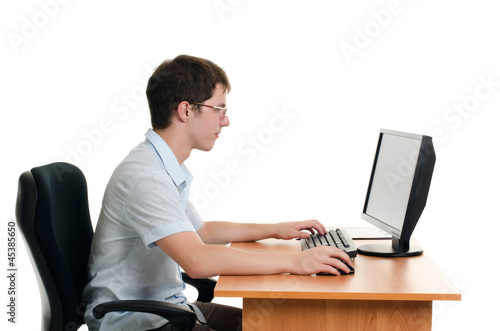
<point x="70" y="68"/>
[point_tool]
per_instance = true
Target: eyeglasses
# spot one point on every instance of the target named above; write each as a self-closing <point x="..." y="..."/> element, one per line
<point x="224" y="110"/>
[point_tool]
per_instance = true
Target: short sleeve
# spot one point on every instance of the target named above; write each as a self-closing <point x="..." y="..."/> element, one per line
<point x="152" y="208"/>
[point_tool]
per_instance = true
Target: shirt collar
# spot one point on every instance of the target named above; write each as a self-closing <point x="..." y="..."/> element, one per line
<point x="178" y="173"/>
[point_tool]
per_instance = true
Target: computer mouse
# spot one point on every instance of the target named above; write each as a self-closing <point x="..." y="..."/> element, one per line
<point x="342" y="272"/>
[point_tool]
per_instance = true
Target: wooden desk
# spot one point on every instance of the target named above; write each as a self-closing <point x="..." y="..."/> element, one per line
<point x="383" y="294"/>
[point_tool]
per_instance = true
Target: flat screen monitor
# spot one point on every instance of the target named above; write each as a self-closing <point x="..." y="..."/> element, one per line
<point x="397" y="191"/>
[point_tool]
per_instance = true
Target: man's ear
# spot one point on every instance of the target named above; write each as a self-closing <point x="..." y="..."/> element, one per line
<point x="183" y="111"/>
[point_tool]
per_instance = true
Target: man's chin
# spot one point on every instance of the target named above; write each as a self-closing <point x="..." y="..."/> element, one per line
<point x="205" y="148"/>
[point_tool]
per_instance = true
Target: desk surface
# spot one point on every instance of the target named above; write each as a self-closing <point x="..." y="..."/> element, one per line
<point x="410" y="279"/>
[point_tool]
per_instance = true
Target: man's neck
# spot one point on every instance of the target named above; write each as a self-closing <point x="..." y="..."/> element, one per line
<point x="175" y="143"/>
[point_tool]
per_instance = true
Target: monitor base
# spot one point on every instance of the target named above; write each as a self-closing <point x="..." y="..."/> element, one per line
<point x="386" y="250"/>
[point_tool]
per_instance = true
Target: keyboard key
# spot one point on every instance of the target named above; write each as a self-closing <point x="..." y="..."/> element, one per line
<point x="342" y="238"/>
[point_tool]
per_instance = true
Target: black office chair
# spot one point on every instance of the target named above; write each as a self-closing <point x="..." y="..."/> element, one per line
<point x="53" y="216"/>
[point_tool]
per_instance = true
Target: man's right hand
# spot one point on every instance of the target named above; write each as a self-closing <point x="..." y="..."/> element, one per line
<point x="322" y="259"/>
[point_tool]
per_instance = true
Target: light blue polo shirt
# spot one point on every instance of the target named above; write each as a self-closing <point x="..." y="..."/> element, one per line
<point x="146" y="199"/>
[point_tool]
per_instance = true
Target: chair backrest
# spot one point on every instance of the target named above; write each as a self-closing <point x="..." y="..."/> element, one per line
<point x="53" y="215"/>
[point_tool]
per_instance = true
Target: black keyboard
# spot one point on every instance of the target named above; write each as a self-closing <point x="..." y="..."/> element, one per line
<point x="335" y="238"/>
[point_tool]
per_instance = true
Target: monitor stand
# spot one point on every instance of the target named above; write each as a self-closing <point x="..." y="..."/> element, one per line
<point x="399" y="248"/>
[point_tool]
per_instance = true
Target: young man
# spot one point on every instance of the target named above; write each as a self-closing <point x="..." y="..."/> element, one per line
<point x="147" y="227"/>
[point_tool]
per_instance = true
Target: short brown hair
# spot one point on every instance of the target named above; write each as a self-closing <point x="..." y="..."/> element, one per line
<point x="185" y="78"/>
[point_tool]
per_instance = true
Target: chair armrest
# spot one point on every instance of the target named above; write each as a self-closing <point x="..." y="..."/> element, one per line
<point x="205" y="287"/>
<point x="180" y="318"/>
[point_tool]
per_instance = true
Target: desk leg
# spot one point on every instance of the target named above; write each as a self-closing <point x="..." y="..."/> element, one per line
<point x="304" y="314"/>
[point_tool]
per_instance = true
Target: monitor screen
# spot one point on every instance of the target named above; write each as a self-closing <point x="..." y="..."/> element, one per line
<point x="398" y="188"/>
